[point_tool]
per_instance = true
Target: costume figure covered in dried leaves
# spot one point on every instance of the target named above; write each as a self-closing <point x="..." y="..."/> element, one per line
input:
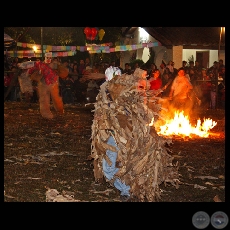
<point x="126" y="149"/>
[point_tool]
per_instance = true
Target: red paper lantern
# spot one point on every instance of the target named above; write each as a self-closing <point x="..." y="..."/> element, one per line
<point x="87" y="32"/>
<point x="94" y="32"/>
<point x="90" y="33"/>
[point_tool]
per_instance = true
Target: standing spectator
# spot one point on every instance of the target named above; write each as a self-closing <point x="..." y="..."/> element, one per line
<point x="14" y="84"/>
<point x="81" y="68"/>
<point x="221" y="64"/>
<point x="6" y="63"/>
<point x="152" y="69"/>
<point x="35" y="96"/>
<point x="162" y="67"/>
<point x="184" y="64"/>
<point x="198" y="65"/>
<point x="222" y="73"/>
<point x="165" y="76"/>
<point x="68" y="90"/>
<point x="172" y="69"/>
<point x="185" y="68"/>
<point x="96" y="68"/>
<point x="112" y="64"/>
<point x="175" y="71"/>
<point x="92" y="91"/>
<point x="214" y="68"/>
<point x="136" y="65"/>
<point x="15" y="62"/>
<point x="105" y="66"/>
<point x="74" y="73"/>
<point x="26" y="87"/>
<point x="7" y="80"/>
<point x="127" y="69"/>
<point x="206" y="89"/>
<point x="221" y="87"/>
<point x="213" y="90"/>
<point x="71" y="64"/>
<point x="197" y="70"/>
<point x="155" y="80"/>
<point x="117" y="64"/>
<point x="191" y="72"/>
<point x="80" y="89"/>
<point x="87" y="62"/>
<point x="170" y="66"/>
<point x="9" y="61"/>
<point x="221" y="90"/>
<point x="67" y="65"/>
<point x="217" y="86"/>
<point x="167" y="79"/>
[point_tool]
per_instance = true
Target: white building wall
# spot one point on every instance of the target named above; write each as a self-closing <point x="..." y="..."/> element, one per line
<point x="188" y="54"/>
<point x="162" y="53"/>
<point x="125" y="58"/>
<point x="213" y="55"/>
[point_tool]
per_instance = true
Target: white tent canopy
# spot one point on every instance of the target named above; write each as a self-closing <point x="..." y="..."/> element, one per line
<point x="8" y="41"/>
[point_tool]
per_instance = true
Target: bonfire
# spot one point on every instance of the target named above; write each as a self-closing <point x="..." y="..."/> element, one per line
<point x="180" y="125"/>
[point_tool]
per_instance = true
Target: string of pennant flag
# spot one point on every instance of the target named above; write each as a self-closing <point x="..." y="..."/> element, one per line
<point x="64" y="51"/>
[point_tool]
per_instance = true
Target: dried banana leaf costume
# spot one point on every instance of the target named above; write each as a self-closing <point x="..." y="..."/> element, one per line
<point x="48" y="87"/>
<point x="127" y="151"/>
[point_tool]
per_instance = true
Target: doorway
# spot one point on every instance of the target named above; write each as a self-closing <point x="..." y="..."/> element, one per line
<point x="203" y="58"/>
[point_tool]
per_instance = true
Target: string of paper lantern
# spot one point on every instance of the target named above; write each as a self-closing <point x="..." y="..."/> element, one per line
<point x="94" y="33"/>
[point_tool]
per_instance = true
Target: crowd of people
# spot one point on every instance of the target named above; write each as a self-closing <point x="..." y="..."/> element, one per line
<point x="190" y="82"/>
<point x="73" y="89"/>
<point x="207" y="85"/>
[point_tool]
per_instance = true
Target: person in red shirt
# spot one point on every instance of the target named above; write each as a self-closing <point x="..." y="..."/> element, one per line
<point x="48" y="87"/>
<point x="7" y="80"/>
<point x="155" y="80"/>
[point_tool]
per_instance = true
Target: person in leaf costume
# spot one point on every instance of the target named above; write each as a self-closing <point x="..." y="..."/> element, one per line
<point x="126" y="150"/>
<point x="48" y="86"/>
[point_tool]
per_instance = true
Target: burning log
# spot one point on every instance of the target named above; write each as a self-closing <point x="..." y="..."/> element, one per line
<point x="126" y="150"/>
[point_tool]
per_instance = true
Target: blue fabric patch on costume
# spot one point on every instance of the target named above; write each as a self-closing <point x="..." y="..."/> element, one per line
<point x="109" y="171"/>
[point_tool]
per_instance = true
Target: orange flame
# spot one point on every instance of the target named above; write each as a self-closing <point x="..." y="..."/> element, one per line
<point x="181" y="126"/>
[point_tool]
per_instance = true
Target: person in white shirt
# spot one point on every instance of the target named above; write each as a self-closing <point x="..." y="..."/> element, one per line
<point x="180" y="91"/>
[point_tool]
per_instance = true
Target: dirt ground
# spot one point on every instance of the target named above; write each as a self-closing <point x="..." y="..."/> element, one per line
<point x="43" y="155"/>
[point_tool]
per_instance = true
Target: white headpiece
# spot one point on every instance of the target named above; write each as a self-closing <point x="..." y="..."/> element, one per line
<point x="111" y="71"/>
<point x="48" y="57"/>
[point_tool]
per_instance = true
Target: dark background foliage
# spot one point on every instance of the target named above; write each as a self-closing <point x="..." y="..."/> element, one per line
<point x="67" y="36"/>
<point x="72" y="36"/>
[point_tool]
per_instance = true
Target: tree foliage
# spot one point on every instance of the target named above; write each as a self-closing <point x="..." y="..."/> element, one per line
<point x="72" y="36"/>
